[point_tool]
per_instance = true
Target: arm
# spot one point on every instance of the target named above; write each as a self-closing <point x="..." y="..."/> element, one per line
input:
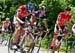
<point x="57" y="22"/>
<point x="17" y="18"/>
<point x="70" y="23"/>
<point x="45" y="22"/>
<point x="32" y="19"/>
<point x="3" y="24"/>
<point x="69" y="20"/>
<point x="46" y="25"/>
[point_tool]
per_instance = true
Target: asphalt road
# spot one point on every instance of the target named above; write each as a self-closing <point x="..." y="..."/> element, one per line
<point x="4" y="49"/>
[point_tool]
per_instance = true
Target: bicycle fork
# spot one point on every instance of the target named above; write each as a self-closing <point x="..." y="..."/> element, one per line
<point x="22" y="39"/>
<point x="32" y="44"/>
<point x="39" y="44"/>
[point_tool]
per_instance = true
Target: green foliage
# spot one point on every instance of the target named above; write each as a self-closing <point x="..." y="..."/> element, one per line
<point x="44" y="43"/>
<point x="71" y="38"/>
<point x="73" y="14"/>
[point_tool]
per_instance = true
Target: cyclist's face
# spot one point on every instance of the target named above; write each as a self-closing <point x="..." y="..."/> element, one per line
<point x="7" y="20"/>
<point x="67" y="12"/>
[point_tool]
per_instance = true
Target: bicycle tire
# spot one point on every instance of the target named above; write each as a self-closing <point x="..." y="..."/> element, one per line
<point x="32" y="48"/>
<point x="14" y="51"/>
<point x="23" y="46"/>
<point x="39" y="45"/>
<point x="9" y="46"/>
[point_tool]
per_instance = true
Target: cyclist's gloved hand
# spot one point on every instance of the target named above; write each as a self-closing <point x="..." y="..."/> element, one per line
<point x="60" y="30"/>
<point x="47" y="30"/>
<point x="22" y="22"/>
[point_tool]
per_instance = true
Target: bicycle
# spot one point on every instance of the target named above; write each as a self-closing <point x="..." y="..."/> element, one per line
<point x="36" y="31"/>
<point x="70" y="43"/>
<point x="56" y="43"/>
<point x="4" y="37"/>
<point x="40" y="37"/>
<point x="21" y="42"/>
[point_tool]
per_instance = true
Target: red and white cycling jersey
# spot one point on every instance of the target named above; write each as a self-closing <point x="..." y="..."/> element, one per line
<point x="22" y="11"/>
<point x="6" y="24"/>
<point x="62" y="18"/>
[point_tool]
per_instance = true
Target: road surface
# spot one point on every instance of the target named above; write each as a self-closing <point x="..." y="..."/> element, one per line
<point x="4" y="49"/>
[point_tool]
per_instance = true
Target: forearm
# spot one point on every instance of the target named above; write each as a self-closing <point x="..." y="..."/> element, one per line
<point x="58" y="25"/>
<point x="3" y="25"/>
<point x="17" y="18"/>
<point x="70" y="24"/>
<point x="32" y="20"/>
<point x="45" y="23"/>
<point x="58" y="21"/>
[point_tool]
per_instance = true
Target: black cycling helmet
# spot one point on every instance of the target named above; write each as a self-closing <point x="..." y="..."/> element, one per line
<point x="42" y="8"/>
<point x="67" y="9"/>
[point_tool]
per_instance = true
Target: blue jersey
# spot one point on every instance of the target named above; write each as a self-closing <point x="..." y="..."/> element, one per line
<point x="37" y="14"/>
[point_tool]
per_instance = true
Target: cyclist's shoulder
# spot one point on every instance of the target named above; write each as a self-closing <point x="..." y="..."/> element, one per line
<point x="21" y="7"/>
<point x="4" y="21"/>
<point x="35" y="13"/>
<point x="69" y="15"/>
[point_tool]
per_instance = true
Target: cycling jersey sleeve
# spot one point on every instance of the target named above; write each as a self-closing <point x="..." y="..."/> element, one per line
<point x="18" y="11"/>
<point x="59" y="16"/>
<point x="37" y="13"/>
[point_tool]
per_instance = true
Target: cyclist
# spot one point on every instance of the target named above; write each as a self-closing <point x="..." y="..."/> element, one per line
<point x="41" y="13"/>
<point x="6" y="26"/>
<point x="21" y="17"/>
<point x="63" y="18"/>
